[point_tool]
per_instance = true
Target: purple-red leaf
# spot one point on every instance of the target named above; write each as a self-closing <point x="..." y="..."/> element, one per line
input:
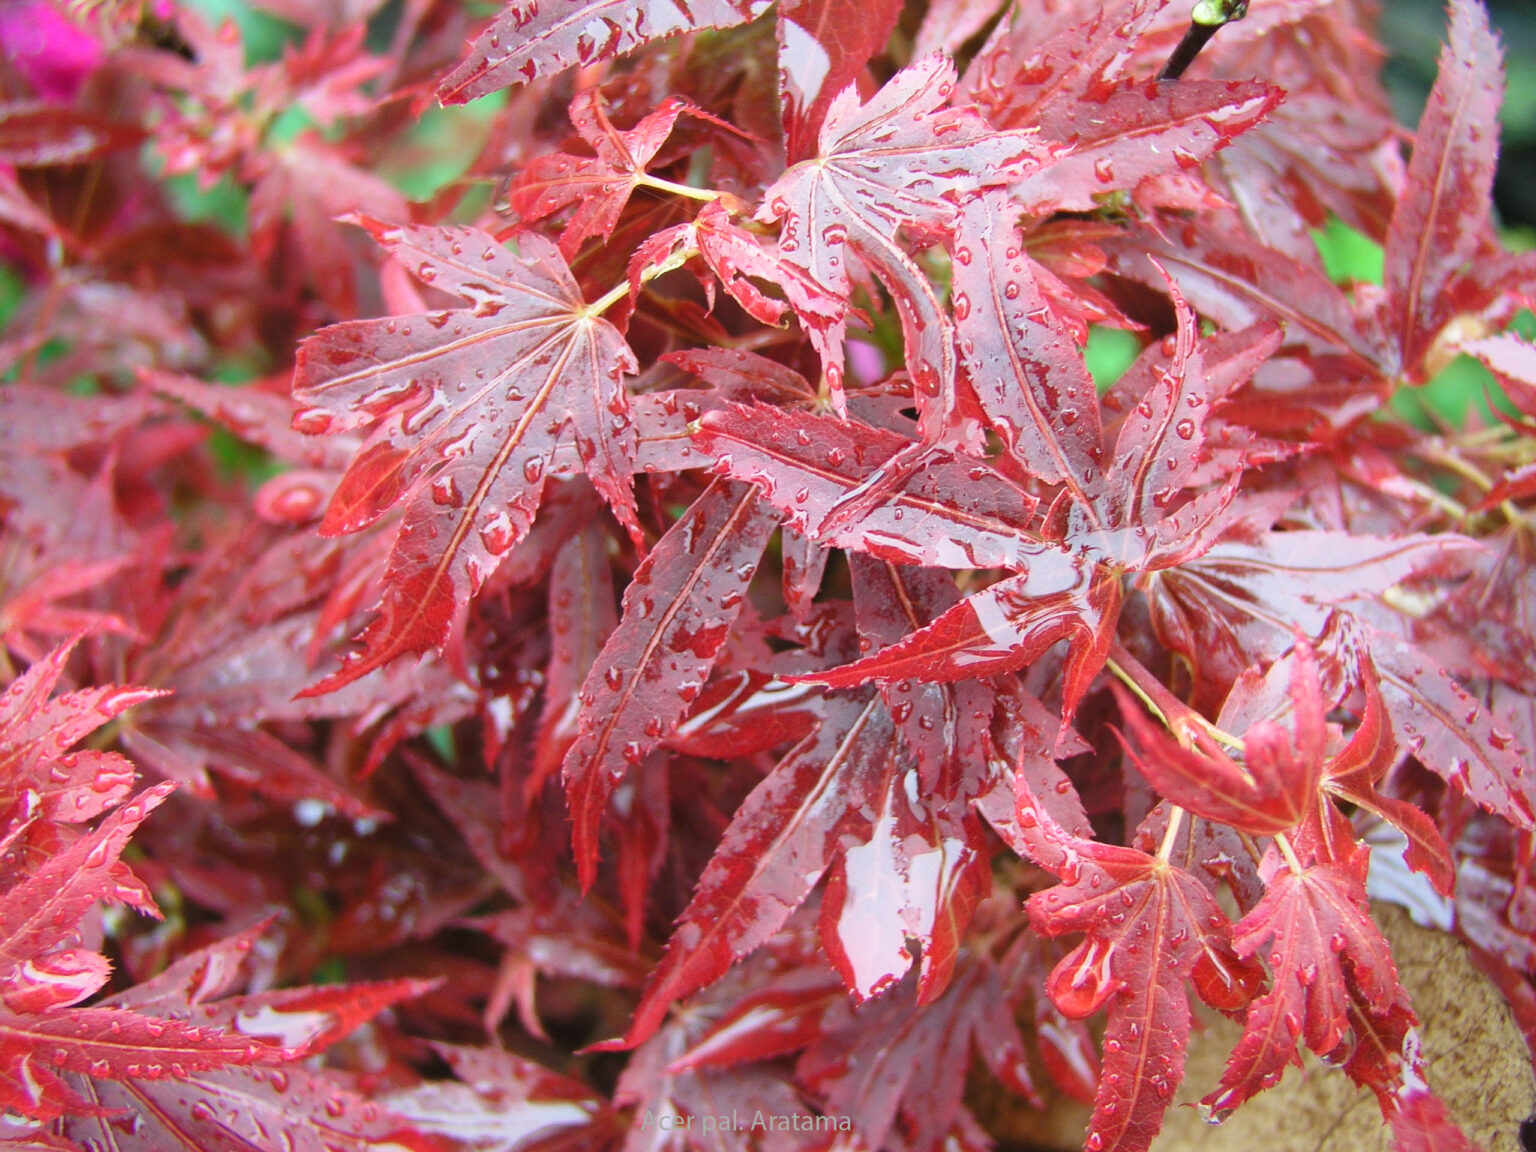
<point x="472" y="406"/>
<point x="107" y="1044"/>
<point x="530" y="38"/>
<point x="1031" y="382"/>
<point x="1276" y="784"/>
<point x="951" y="513"/>
<point x="1451" y="733"/>
<point x="897" y="1067"/>
<point x="1063" y="596"/>
<point x="901" y="160"/>
<point x="36" y="733"/>
<point x="823" y="49"/>
<point x="677" y="613"/>
<point x="918" y="876"/>
<point x="598" y="186"/>
<point x="1324" y="955"/>
<point x="1441" y="221"/>
<point x="776" y="849"/>
<point x="238" y="1109"/>
<point x="1151" y="929"/>
<point x="44" y="910"/>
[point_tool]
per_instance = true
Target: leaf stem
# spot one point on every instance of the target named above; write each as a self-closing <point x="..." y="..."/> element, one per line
<point x="661" y="184"/>
<point x="1176" y="716"/>
<point x="1447" y="504"/>
<point x="1284" y="844"/>
<point x="608" y="299"/>
<point x="1437" y="453"/>
<point x="1124" y="676"/>
<point x="1148" y="688"/>
<point x="618" y="292"/>
<point x="1208" y="18"/>
<point x="1170" y="833"/>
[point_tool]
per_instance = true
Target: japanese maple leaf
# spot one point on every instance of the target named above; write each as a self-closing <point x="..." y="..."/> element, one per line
<point x="679" y="1095"/>
<point x="245" y="1109"/>
<point x="922" y="856"/>
<point x="230" y="1104"/>
<point x="1110" y="129"/>
<point x="953" y="512"/>
<point x="1028" y="67"/>
<point x="41" y="912"/>
<point x="677" y="615"/>
<point x="1275" y="784"/>
<point x="472" y="406"/>
<point x="502" y="1101"/>
<point x="532" y="38"/>
<point x="1245" y="599"/>
<point x="1141" y="516"/>
<point x="1237" y="281"/>
<point x="1441" y="222"/>
<point x="901" y="160"/>
<point x="1131" y="515"/>
<point x="1326" y="957"/>
<point x="1450" y="731"/>
<point x="600" y="185"/>
<point x="1030" y="381"/>
<point x="779" y="844"/>
<point x="821" y="52"/>
<point x="1441" y="259"/>
<point x="1150" y="928"/>
<point x="231" y="655"/>
<point x="39" y="776"/>
<point x="897" y="1067"/>
<point x="918" y="876"/>
<point x="1033" y="387"/>
<point x="52" y="1052"/>
<point x="31" y="608"/>
<point x="737" y="257"/>
<point x="38" y="135"/>
<point x="1286" y="780"/>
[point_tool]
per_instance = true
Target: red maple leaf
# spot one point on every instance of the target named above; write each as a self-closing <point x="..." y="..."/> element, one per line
<point x="1151" y="929"/>
<point x="472" y="407"/>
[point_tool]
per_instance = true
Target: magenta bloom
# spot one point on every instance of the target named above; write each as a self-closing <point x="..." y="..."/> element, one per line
<point x="52" y="54"/>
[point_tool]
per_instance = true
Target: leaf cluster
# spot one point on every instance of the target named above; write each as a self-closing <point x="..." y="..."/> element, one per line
<point x="666" y="627"/>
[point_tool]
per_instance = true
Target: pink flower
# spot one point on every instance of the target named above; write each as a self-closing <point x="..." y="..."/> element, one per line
<point x="53" y="55"/>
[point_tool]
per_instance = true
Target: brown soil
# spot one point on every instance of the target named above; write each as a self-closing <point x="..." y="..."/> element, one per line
<point x="1478" y="1064"/>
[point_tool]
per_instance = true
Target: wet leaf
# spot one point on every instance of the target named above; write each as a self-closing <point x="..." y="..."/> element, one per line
<point x="472" y="406"/>
<point x="677" y="615"/>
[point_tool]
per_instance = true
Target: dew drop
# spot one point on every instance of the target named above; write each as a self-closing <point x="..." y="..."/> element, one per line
<point x="445" y="493"/>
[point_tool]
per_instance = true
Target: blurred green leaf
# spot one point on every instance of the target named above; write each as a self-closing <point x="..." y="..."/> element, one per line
<point x="1348" y="255"/>
<point x="1109" y="353"/>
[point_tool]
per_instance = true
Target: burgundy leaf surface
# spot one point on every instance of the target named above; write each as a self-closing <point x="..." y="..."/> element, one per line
<point x="530" y="38"/>
<point x="475" y="403"/>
